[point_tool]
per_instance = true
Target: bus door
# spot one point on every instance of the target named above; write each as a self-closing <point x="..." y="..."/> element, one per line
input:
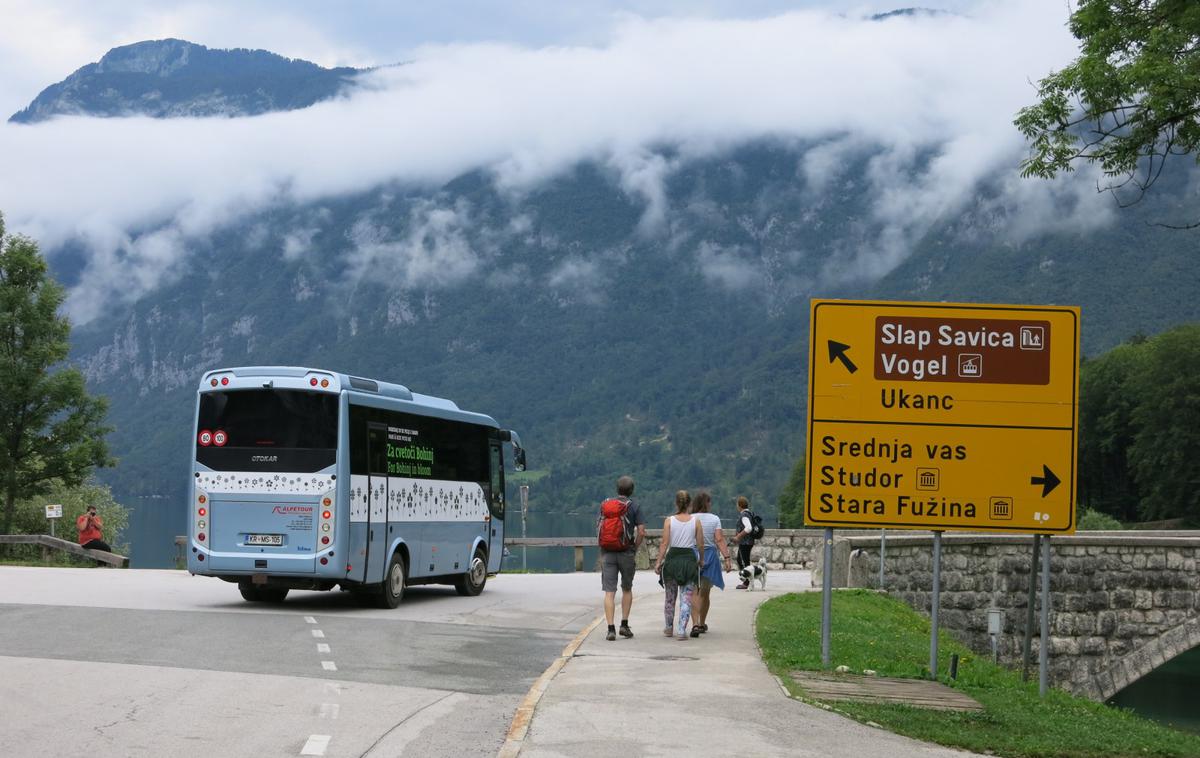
<point x="377" y="500"/>
<point x="496" y="508"/>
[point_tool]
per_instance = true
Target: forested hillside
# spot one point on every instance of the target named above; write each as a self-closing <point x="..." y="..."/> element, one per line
<point x="643" y="312"/>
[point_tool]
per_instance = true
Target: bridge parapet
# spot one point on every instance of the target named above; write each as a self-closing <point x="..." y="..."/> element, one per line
<point x="1123" y="603"/>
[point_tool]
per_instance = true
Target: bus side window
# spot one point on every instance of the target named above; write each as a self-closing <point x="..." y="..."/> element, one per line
<point x="497" y="481"/>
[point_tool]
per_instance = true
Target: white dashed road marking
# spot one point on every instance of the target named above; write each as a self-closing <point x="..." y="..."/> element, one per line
<point x="329" y="665"/>
<point x="316" y="745"/>
<point x="318" y="634"/>
<point x="329" y="710"/>
<point x="309" y="620"/>
<point x="322" y="647"/>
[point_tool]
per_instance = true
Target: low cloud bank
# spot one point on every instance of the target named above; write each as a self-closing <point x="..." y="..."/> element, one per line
<point x="136" y="192"/>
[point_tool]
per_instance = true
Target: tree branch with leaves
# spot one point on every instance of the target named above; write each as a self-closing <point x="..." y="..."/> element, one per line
<point x="1128" y="103"/>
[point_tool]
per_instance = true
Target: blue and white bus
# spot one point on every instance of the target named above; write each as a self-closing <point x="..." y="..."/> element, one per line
<point x="311" y="479"/>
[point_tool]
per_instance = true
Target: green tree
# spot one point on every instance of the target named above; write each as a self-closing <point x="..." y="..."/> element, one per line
<point x="791" y="498"/>
<point x="1128" y="102"/>
<point x="1165" y="454"/>
<point x="51" y="431"/>
<point x="1106" y="432"/>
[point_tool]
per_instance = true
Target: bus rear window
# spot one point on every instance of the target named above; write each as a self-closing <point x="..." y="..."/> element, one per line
<point x="270" y="418"/>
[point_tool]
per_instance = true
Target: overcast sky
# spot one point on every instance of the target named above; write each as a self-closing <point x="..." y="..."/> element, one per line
<point x="524" y="90"/>
<point x="42" y="41"/>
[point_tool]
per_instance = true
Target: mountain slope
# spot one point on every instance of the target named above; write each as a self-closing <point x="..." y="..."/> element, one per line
<point x="659" y="331"/>
<point x="171" y="77"/>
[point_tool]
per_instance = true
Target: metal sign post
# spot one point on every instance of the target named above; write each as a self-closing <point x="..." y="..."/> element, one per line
<point x="1044" y="646"/>
<point x="1027" y="648"/>
<point x="934" y="602"/>
<point x="882" y="554"/>
<point x="826" y="598"/>
<point x="524" y="512"/>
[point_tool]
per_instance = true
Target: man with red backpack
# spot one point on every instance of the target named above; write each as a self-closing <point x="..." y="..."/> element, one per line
<point x="620" y="529"/>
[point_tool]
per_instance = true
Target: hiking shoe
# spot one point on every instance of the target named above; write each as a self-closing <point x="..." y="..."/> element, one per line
<point x="611" y="635"/>
<point x="626" y="631"/>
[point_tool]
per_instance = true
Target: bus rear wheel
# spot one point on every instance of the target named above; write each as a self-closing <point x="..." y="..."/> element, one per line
<point x="472" y="582"/>
<point x="392" y="590"/>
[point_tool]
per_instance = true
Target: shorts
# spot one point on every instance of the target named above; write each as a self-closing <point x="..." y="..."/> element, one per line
<point x="612" y="562"/>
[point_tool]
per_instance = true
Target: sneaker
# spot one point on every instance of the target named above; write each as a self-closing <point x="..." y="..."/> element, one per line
<point x="612" y="635"/>
<point x="626" y="631"/>
<point x="668" y="631"/>
<point x="681" y="637"/>
<point x="743" y="586"/>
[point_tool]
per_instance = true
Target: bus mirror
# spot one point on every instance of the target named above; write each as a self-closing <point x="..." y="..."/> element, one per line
<point x="519" y="458"/>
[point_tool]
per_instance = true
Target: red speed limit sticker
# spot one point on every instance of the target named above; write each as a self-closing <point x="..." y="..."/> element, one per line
<point x="220" y="438"/>
<point x="206" y="438"/>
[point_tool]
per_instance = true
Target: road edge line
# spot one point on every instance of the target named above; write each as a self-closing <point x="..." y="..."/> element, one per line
<point x="519" y="728"/>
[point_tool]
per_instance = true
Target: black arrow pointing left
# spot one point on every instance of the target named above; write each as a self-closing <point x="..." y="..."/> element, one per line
<point x="837" y="351"/>
<point x="1048" y="480"/>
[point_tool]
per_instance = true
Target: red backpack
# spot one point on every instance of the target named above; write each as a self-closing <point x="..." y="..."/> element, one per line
<point x="613" y="529"/>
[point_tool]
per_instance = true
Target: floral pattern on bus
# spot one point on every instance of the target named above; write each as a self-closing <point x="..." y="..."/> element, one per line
<point x="258" y="483"/>
<point x="416" y="499"/>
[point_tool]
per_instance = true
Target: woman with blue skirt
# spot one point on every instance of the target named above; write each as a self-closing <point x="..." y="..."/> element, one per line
<point x="710" y="570"/>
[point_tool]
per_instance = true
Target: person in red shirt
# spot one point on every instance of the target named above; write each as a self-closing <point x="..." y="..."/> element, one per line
<point x="90" y="534"/>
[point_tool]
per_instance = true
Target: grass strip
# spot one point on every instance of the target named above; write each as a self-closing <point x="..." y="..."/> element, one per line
<point x="873" y="631"/>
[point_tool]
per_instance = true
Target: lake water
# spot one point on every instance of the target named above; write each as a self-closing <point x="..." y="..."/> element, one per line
<point x="1167" y="694"/>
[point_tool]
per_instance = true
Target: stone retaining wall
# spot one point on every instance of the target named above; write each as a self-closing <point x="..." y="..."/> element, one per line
<point x="1121" y="604"/>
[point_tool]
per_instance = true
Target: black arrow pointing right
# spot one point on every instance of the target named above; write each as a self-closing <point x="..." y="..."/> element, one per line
<point x="1048" y="480"/>
<point x="837" y="351"/>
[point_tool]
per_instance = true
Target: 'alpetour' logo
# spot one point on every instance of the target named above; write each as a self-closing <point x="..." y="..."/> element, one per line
<point x="265" y="458"/>
<point x="285" y="510"/>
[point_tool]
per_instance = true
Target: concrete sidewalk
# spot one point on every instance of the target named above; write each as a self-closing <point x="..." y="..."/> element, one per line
<point x="712" y="696"/>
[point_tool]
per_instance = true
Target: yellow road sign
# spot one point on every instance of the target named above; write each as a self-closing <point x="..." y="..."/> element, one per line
<point x="942" y="416"/>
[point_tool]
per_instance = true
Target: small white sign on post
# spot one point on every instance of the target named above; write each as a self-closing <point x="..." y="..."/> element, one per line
<point x="54" y="511"/>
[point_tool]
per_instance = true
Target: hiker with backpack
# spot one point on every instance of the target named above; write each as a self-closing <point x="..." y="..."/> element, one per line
<point x="749" y="529"/>
<point x="620" y="529"/>
<point x="680" y="564"/>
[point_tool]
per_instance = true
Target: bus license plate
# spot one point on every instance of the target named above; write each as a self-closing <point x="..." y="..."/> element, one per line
<point x="264" y="539"/>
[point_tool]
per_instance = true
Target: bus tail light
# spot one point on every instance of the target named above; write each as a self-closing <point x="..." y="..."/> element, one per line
<point x="224" y="381"/>
<point x="324" y="561"/>
<point x="200" y="536"/>
<point x="313" y="382"/>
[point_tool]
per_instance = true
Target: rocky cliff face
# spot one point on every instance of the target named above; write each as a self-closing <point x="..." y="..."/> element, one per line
<point x="172" y="78"/>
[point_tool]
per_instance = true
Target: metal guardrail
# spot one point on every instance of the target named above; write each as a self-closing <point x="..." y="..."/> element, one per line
<point x="54" y="543"/>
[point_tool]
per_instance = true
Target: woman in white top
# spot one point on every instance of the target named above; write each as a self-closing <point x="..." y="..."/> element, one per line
<point x="710" y="570"/>
<point x="678" y="564"/>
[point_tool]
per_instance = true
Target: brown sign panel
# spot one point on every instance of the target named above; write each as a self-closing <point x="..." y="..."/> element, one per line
<point x="975" y="350"/>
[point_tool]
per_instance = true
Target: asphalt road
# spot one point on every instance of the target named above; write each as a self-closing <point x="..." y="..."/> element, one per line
<point x="149" y="663"/>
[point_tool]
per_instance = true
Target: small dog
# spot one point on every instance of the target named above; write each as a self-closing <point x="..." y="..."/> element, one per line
<point x="756" y="571"/>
